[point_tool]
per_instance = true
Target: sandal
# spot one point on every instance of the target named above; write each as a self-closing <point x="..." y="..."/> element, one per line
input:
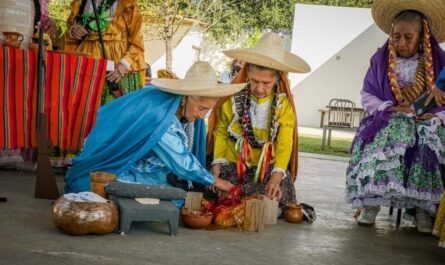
<point x="308" y="213"/>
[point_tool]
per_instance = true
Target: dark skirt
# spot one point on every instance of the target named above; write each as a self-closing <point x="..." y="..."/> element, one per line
<point x="248" y="187"/>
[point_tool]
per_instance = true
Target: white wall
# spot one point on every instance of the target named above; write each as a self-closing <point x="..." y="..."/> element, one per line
<point x="321" y="31"/>
<point x="340" y="77"/>
<point x="183" y="53"/>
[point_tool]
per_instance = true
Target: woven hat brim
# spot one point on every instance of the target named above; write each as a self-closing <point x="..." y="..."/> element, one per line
<point x="384" y="12"/>
<point x="291" y="62"/>
<point x="176" y="86"/>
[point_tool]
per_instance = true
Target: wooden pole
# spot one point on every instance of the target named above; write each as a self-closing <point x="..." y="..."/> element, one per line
<point x="46" y="186"/>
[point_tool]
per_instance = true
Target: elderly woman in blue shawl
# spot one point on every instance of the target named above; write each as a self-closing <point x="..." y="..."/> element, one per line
<point x="397" y="155"/>
<point x="149" y="134"/>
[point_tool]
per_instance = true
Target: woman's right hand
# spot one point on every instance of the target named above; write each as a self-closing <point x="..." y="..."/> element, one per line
<point x="404" y="107"/>
<point x="78" y="32"/>
<point x="222" y="185"/>
<point x="216" y="169"/>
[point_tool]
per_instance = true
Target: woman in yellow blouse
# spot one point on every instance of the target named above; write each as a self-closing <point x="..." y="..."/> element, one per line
<point x="253" y="133"/>
<point x="121" y="27"/>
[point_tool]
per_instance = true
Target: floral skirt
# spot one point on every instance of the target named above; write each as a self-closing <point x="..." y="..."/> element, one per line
<point x="228" y="172"/>
<point x="128" y="83"/>
<point x="400" y="167"/>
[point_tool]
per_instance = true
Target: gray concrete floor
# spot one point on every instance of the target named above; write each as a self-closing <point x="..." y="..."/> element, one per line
<point x="27" y="235"/>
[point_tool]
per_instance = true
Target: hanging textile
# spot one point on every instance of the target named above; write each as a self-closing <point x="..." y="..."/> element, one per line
<point x="70" y="98"/>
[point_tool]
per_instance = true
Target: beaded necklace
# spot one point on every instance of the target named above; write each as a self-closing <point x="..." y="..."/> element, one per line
<point x="247" y="141"/>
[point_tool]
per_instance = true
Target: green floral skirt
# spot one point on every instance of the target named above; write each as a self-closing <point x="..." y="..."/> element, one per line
<point x="128" y="83"/>
<point x="400" y="167"/>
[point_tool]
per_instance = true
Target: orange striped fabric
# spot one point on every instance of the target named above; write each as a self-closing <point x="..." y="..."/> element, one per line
<point x="70" y="98"/>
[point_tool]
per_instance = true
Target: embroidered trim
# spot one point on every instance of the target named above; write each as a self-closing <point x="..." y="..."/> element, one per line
<point x="279" y="170"/>
<point x="221" y="161"/>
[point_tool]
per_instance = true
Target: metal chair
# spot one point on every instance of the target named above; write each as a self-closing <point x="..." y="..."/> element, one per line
<point x="340" y="118"/>
<point x="399" y="215"/>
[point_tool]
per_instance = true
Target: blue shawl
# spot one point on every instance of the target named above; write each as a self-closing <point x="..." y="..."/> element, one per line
<point x="125" y="131"/>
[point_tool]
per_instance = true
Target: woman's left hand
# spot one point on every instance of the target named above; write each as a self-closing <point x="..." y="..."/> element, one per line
<point x="426" y="116"/>
<point x="50" y="27"/>
<point x="273" y="189"/>
<point x="438" y="95"/>
<point x="117" y="74"/>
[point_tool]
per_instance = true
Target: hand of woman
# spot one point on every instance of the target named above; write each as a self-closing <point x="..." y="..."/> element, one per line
<point x="404" y="107"/>
<point x="117" y="74"/>
<point x="273" y="189"/>
<point x="77" y="32"/>
<point x="216" y="169"/>
<point x="438" y="95"/>
<point x="426" y="116"/>
<point x="49" y="27"/>
<point x="222" y="185"/>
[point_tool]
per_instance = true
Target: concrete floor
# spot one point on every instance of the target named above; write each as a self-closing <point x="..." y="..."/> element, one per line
<point x="27" y="235"/>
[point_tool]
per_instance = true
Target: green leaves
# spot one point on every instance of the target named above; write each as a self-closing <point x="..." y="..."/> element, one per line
<point x="225" y="19"/>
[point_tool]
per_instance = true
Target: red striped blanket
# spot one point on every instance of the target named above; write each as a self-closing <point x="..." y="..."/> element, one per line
<point x="70" y="98"/>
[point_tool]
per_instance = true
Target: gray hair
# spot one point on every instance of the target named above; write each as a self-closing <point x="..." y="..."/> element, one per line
<point x="410" y="16"/>
<point x="195" y="98"/>
<point x="262" y="68"/>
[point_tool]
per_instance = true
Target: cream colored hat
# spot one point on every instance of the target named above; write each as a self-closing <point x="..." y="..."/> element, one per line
<point x="200" y="80"/>
<point x="269" y="52"/>
<point x="384" y="12"/>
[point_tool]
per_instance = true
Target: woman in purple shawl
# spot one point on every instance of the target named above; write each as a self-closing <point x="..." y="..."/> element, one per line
<point x="397" y="156"/>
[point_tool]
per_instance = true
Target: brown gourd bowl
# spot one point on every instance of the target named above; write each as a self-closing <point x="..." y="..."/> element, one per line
<point x="80" y="218"/>
<point x="196" y="219"/>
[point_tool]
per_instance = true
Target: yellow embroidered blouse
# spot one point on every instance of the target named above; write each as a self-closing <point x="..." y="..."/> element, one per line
<point x="123" y="38"/>
<point x="227" y="125"/>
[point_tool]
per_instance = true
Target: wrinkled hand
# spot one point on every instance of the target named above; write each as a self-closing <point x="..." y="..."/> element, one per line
<point x="404" y="107"/>
<point x="216" y="169"/>
<point x="222" y="185"/>
<point x="77" y="32"/>
<point x="438" y="95"/>
<point x="426" y="116"/>
<point x="117" y="74"/>
<point x="273" y="189"/>
<point x="49" y="27"/>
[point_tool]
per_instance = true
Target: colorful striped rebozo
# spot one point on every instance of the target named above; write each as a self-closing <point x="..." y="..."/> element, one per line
<point x="70" y="98"/>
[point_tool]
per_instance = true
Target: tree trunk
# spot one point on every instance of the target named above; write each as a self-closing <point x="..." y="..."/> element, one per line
<point x="168" y="53"/>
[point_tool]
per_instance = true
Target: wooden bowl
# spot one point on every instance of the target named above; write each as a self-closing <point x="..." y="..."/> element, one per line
<point x="98" y="182"/>
<point x="196" y="219"/>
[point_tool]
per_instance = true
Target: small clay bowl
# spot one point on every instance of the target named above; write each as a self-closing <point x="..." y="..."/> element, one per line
<point x="294" y="213"/>
<point x="196" y="219"/>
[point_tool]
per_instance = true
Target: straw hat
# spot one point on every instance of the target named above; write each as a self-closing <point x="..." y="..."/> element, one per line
<point x="200" y="80"/>
<point x="165" y="73"/>
<point x="384" y="12"/>
<point x="269" y="52"/>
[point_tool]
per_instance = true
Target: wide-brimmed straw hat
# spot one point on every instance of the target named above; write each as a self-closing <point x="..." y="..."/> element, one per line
<point x="269" y="52"/>
<point x="384" y="12"/>
<point x="165" y="73"/>
<point x="200" y="80"/>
